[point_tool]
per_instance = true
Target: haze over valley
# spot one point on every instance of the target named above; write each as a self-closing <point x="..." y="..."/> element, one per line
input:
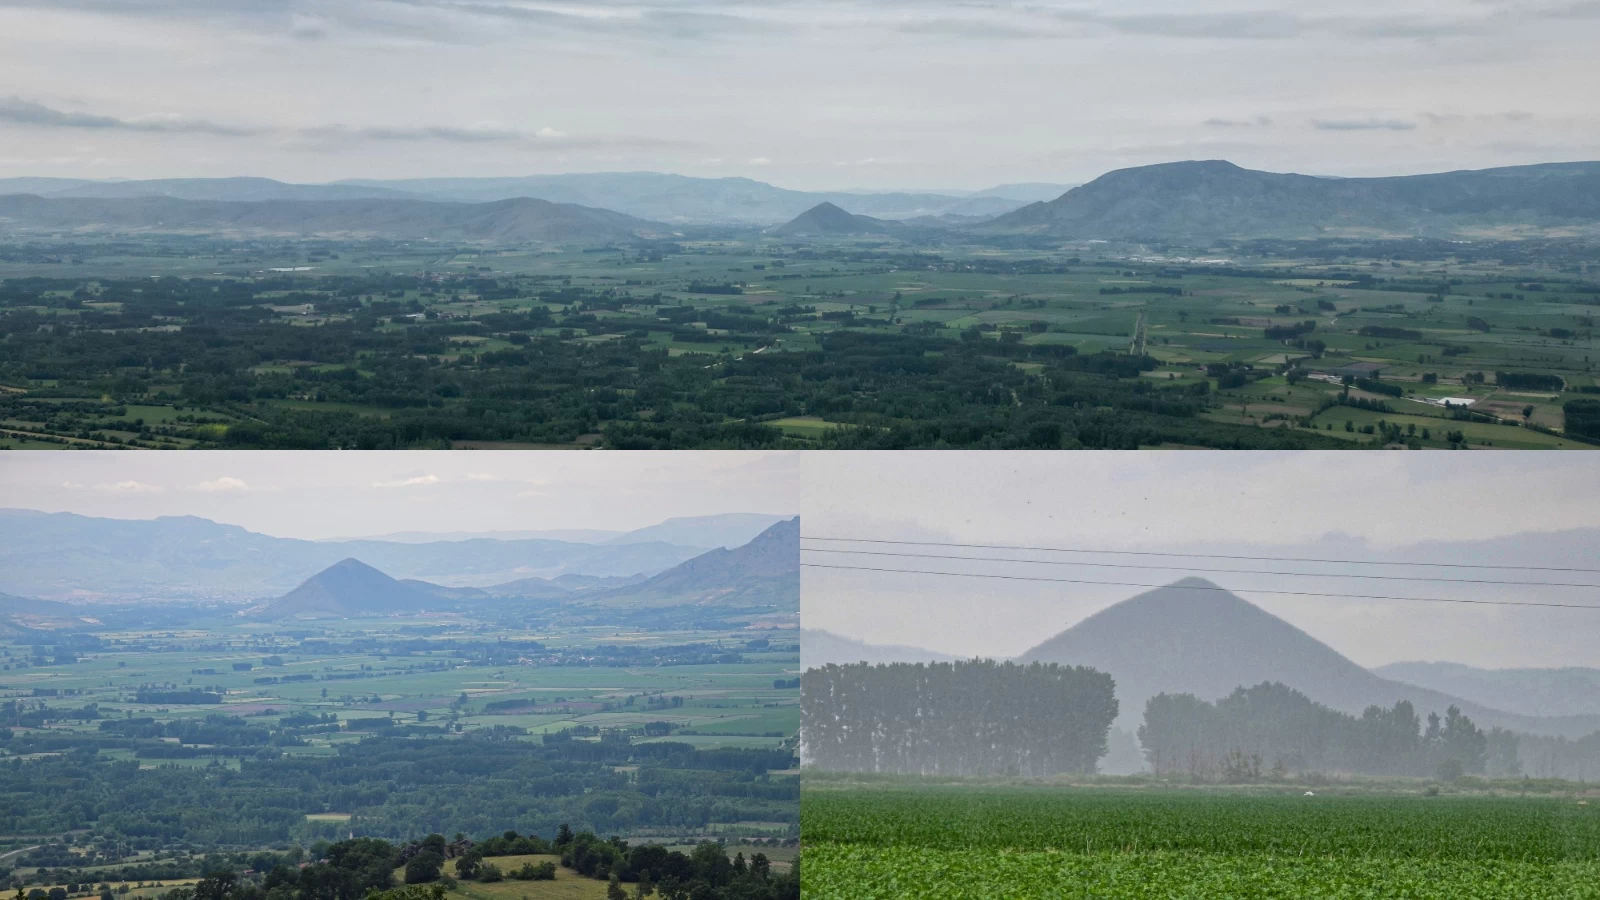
<point x="1256" y="621"/>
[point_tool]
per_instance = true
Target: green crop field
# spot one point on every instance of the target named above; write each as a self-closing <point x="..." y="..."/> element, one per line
<point x="1039" y="841"/>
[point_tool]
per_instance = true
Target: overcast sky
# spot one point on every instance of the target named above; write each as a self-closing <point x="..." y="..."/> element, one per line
<point x="306" y="494"/>
<point x="803" y="93"/>
<point x="1436" y="507"/>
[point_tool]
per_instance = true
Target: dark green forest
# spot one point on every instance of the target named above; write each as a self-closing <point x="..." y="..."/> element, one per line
<point x="966" y="718"/>
<point x="380" y="369"/>
<point x="485" y="781"/>
<point x="1271" y="729"/>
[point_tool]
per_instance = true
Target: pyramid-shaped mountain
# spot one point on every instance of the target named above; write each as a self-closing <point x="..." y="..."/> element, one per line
<point x="348" y="588"/>
<point x="762" y="573"/>
<point x="1193" y="637"/>
<point x="827" y="219"/>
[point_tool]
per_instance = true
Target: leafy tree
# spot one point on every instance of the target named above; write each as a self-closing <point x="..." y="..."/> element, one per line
<point x="424" y="867"/>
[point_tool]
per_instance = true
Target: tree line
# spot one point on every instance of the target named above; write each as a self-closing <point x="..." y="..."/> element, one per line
<point x="978" y="717"/>
<point x="1271" y="729"/>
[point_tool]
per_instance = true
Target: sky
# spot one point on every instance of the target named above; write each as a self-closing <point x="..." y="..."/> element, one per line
<point x="326" y="494"/>
<point x="1481" y="508"/>
<point x="811" y="94"/>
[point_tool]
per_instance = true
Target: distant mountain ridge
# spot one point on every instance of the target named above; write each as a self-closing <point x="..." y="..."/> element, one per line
<point x="1193" y="200"/>
<point x="705" y="532"/>
<point x="763" y="573"/>
<point x="726" y="530"/>
<point x="67" y="556"/>
<point x="1215" y="199"/>
<point x="20" y="615"/>
<point x="1194" y="637"/>
<point x="653" y="196"/>
<point x="820" y="648"/>
<point x="1568" y="691"/>
<point x="513" y="221"/>
<point x="236" y="188"/>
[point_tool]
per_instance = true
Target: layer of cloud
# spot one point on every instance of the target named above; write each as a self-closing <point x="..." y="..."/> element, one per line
<point x="221" y="484"/>
<point x="18" y="111"/>
<point x="1363" y="124"/>
<point x="26" y="112"/>
<point x="937" y="93"/>
<point x="130" y="487"/>
<point x="1257" y="122"/>
<point x="449" y="20"/>
<point x="411" y="481"/>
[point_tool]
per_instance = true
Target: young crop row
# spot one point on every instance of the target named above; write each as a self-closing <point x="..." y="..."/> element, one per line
<point x="858" y="872"/>
<point x="1482" y="830"/>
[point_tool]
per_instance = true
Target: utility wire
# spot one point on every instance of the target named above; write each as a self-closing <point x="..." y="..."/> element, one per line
<point x="1146" y="566"/>
<point x="1206" y="587"/>
<point x="1350" y="562"/>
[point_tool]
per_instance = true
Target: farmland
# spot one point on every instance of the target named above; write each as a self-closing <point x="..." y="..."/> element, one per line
<point x="152" y="753"/>
<point x="736" y="339"/>
<point x="890" y="838"/>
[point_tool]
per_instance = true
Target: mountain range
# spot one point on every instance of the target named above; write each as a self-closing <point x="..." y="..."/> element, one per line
<point x="676" y="199"/>
<point x="820" y="648"/>
<point x="1214" y="199"/>
<point x="18" y="615"/>
<point x="761" y="575"/>
<point x="1194" y="201"/>
<point x="66" y="556"/>
<point x="1568" y="691"/>
<point x="521" y="220"/>
<point x="719" y="530"/>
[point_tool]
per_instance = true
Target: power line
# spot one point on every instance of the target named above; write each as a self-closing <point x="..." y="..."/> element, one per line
<point x="1074" y="562"/>
<point x="1206" y="587"/>
<point x="1348" y="562"/>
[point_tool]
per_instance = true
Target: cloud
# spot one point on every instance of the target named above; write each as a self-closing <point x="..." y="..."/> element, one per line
<point x="329" y="137"/>
<point x="26" y="112"/>
<point x="470" y="135"/>
<point x="308" y="27"/>
<point x="414" y="481"/>
<point x="1363" y="125"/>
<point x="1257" y="122"/>
<point x="130" y="487"/>
<point x="759" y="161"/>
<point x="1515" y="115"/>
<point x="222" y="484"/>
<point x="479" y="21"/>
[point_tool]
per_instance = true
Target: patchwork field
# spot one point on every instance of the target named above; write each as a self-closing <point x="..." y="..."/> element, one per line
<point x="702" y="342"/>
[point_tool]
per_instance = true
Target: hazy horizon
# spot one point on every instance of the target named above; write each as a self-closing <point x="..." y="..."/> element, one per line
<point x="1324" y="505"/>
<point x="813" y="94"/>
<point x="323" y="495"/>
<point x="865" y="189"/>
